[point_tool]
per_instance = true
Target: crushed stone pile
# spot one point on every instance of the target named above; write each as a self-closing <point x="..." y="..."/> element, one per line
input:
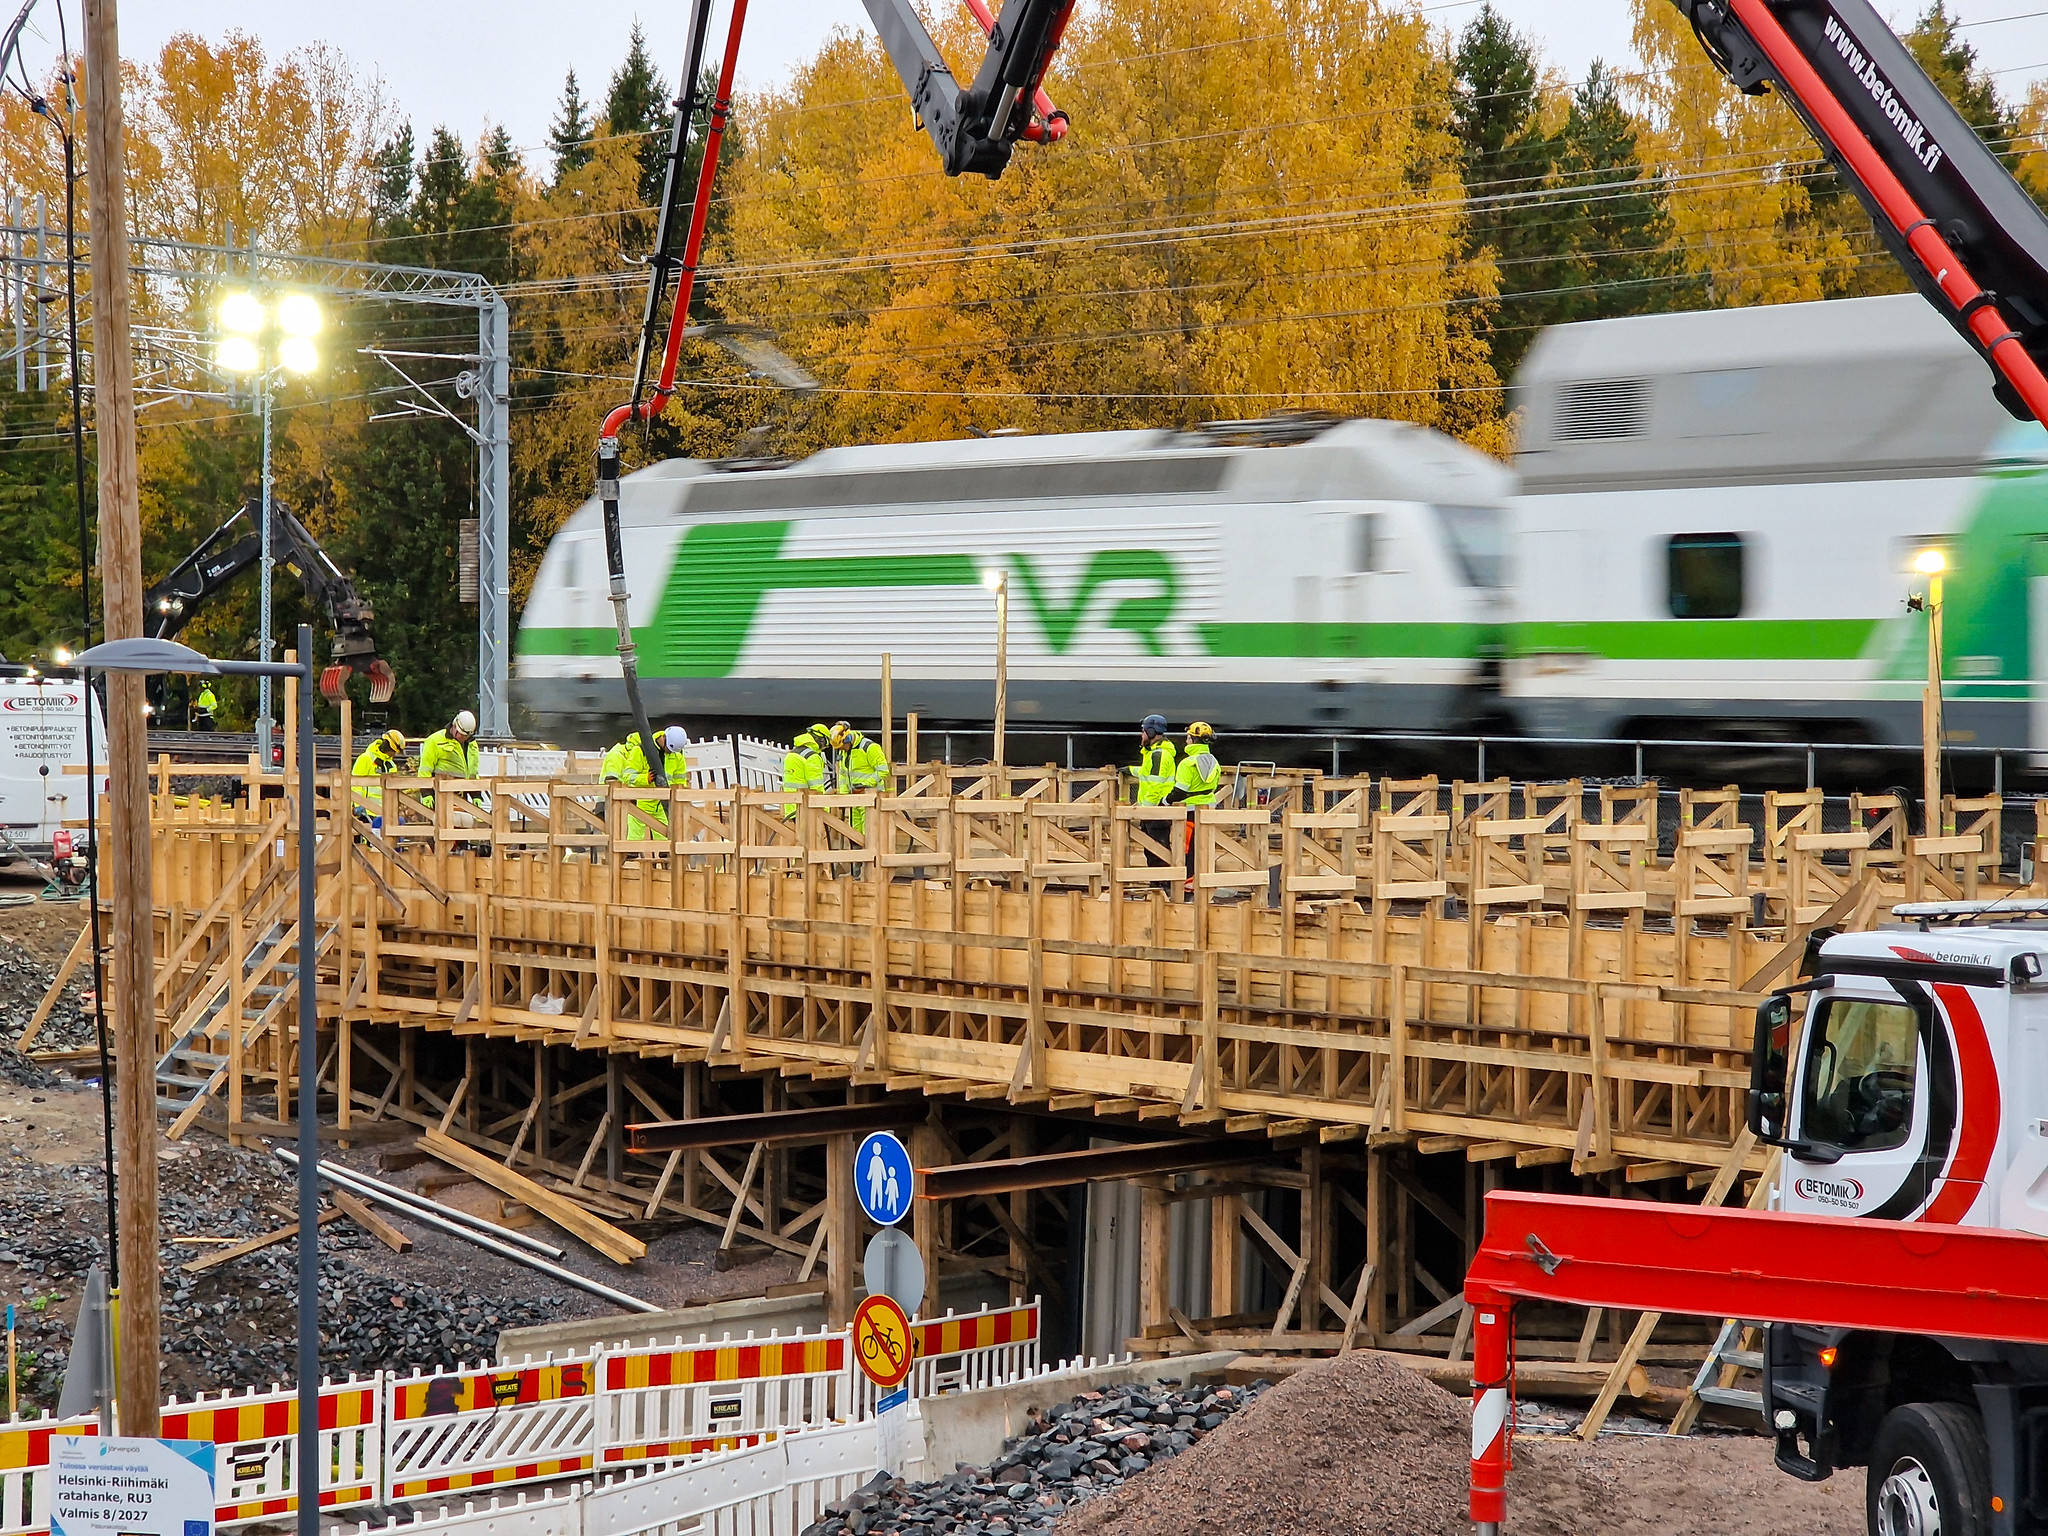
<point x="233" y="1325"/>
<point x="1074" y="1453"/>
<point x="1352" y="1446"/>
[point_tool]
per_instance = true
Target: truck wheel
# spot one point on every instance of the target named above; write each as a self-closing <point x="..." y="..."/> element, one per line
<point x="1929" y="1473"/>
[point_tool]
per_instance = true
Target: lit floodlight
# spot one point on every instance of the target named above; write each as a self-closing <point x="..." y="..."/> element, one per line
<point x="992" y="578"/>
<point x="298" y="315"/>
<point x="242" y="313"/>
<point x="237" y="354"/>
<point x="297" y="355"/>
<point x="1930" y="562"/>
<point x="62" y="656"/>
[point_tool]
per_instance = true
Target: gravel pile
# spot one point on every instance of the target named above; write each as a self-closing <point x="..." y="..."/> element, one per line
<point x="233" y="1325"/>
<point x="1353" y="1446"/>
<point x="24" y="977"/>
<point x="1074" y="1453"/>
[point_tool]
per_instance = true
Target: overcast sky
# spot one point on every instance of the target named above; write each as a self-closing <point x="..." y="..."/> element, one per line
<point x="467" y="63"/>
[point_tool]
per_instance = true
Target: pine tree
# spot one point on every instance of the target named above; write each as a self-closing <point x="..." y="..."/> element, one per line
<point x="1617" y="242"/>
<point x="570" y="134"/>
<point x="1952" y="64"/>
<point x="394" y="182"/>
<point x="1505" y="156"/>
<point x="498" y="156"/>
<point x="637" y="104"/>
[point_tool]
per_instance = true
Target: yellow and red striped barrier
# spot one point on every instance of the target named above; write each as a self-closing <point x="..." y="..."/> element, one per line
<point x="257" y="1433"/>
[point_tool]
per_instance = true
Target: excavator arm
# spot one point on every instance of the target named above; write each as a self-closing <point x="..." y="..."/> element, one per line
<point x="235" y="546"/>
<point x="976" y="129"/>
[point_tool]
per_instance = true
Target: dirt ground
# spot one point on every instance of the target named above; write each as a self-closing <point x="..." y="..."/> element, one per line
<point x="1720" y="1485"/>
<point x="232" y="1325"/>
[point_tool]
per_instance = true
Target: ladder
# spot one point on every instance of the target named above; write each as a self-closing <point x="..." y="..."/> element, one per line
<point x="1735" y="1351"/>
<point x="195" y="1068"/>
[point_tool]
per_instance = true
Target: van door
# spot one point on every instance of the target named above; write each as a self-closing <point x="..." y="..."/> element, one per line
<point x="42" y="735"/>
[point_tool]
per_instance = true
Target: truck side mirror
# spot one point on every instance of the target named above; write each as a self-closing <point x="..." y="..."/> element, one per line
<point x="1769" y="1064"/>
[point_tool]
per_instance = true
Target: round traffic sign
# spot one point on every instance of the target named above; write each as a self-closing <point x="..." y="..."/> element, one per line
<point x="893" y="1267"/>
<point x="882" y="1178"/>
<point x="881" y="1341"/>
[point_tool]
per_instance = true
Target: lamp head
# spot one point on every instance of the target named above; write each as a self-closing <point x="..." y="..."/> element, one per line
<point x="1930" y="562"/>
<point x="297" y="354"/>
<point x="994" y="577"/>
<point x="242" y="314"/>
<point x="298" y="314"/>
<point x="237" y="354"/>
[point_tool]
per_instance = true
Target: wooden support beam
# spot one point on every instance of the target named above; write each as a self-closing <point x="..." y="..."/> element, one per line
<point x="619" y="1247"/>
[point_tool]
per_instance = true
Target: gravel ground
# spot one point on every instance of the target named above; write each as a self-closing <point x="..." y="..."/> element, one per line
<point x="1074" y="1453"/>
<point x="234" y="1326"/>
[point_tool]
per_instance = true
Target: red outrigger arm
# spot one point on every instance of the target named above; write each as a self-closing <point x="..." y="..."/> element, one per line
<point x="1825" y="1271"/>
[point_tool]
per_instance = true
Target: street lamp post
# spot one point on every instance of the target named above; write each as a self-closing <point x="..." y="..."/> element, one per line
<point x="156" y="656"/>
<point x="997" y="580"/>
<point x="1931" y="563"/>
<point x="264" y="342"/>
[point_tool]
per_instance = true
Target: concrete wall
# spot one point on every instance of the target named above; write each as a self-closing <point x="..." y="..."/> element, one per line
<point x="692" y="1325"/>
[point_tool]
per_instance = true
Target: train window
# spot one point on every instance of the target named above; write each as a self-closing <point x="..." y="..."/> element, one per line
<point x="1366" y="542"/>
<point x="1860" y="1072"/>
<point x="1705" y="575"/>
<point x="1478" y="539"/>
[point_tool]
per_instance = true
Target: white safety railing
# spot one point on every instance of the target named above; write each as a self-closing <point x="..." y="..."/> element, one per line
<point x="658" y="1404"/>
<point x="775" y="1488"/>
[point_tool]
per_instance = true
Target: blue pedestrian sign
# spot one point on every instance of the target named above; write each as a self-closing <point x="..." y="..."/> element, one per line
<point x="881" y="1177"/>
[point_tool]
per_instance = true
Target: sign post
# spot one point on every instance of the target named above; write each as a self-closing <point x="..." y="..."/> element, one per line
<point x="131" y="1487"/>
<point x="882" y="1346"/>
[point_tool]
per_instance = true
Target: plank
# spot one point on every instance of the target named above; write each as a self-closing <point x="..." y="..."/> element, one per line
<point x="359" y="1212"/>
<point x="619" y="1247"/>
<point x="252" y="1245"/>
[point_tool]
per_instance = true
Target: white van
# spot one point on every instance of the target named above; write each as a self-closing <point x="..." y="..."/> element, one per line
<point x="42" y="758"/>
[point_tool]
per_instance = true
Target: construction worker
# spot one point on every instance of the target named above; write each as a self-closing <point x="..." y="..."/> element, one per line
<point x="450" y="752"/>
<point x="1196" y="782"/>
<point x="1153" y="773"/>
<point x="385" y="754"/>
<point x="203" y="708"/>
<point x="626" y="763"/>
<point x="807" y="766"/>
<point x="859" y="766"/>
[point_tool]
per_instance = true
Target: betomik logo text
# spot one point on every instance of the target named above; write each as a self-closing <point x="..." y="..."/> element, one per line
<point x="1863" y="70"/>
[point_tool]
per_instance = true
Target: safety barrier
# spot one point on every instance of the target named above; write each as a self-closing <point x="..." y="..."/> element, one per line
<point x="466" y="1429"/>
<point x="25" y="1479"/>
<point x="774" y="1488"/>
<point x="394" y="1437"/>
<point x="256" y="1469"/>
<point x="663" y="1403"/>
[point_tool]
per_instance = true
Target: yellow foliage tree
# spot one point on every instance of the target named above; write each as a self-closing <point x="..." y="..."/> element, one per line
<point x="1739" y="199"/>
<point x="1181" y="256"/>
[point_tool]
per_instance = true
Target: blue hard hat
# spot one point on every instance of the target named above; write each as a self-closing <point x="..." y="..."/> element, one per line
<point x="1154" y="723"/>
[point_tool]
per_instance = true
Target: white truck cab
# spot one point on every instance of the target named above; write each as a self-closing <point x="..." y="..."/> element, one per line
<point x="1915" y="1089"/>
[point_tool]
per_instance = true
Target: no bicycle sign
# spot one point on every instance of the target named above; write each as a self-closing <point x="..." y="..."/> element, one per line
<point x="882" y="1341"/>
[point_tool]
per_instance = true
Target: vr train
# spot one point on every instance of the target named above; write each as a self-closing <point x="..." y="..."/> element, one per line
<point x="1709" y="531"/>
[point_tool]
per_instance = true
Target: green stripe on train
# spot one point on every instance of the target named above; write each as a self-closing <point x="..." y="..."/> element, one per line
<point x="1698" y="639"/>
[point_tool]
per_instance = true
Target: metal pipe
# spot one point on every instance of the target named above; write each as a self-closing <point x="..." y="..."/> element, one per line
<point x="309" y="1069"/>
<point x="406" y="1201"/>
<point x="506" y="1251"/>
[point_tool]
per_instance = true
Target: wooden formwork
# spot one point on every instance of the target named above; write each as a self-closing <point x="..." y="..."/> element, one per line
<point x="1369" y="973"/>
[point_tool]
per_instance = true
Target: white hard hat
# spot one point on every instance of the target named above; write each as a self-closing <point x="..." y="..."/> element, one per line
<point x="675" y="738"/>
<point x="464" y="723"/>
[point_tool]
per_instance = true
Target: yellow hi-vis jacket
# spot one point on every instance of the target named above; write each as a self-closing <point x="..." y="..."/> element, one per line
<point x="803" y="768"/>
<point x="372" y="763"/>
<point x="861" y="768"/>
<point x="626" y="764"/>
<point x="442" y="756"/>
<point x="1197" y="779"/>
<point x="1154" y="772"/>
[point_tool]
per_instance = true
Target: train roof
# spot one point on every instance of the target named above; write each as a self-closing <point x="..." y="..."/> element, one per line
<point x="1249" y="462"/>
<point x="1865" y="388"/>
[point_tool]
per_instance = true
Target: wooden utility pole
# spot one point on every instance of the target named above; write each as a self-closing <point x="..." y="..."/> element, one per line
<point x="125" y="855"/>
